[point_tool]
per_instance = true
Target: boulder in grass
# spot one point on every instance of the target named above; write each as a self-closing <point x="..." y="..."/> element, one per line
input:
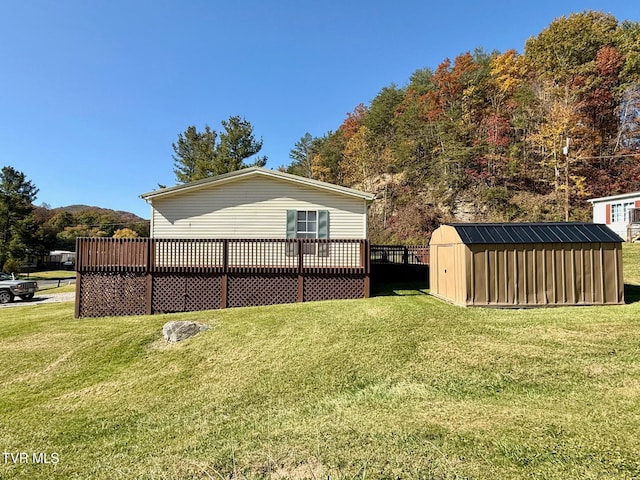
<point x="177" y="331"/>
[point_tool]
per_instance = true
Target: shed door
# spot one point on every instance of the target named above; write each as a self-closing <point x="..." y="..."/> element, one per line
<point x="446" y="271"/>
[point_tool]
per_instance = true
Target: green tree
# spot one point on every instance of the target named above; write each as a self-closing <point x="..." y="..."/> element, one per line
<point x="24" y="238"/>
<point x="61" y="220"/>
<point x="194" y="154"/>
<point x="379" y="119"/>
<point x="628" y="41"/>
<point x="199" y="155"/>
<point x="237" y="144"/>
<point x="16" y="205"/>
<point x="302" y="156"/>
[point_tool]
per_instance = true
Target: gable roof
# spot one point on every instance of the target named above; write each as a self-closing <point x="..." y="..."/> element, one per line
<point x="561" y="232"/>
<point x="622" y="196"/>
<point x="252" y="172"/>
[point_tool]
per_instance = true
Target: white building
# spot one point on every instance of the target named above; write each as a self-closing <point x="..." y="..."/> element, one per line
<point x="258" y="203"/>
<point x="621" y="213"/>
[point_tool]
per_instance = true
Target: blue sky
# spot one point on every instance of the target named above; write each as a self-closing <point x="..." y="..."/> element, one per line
<point x="94" y="92"/>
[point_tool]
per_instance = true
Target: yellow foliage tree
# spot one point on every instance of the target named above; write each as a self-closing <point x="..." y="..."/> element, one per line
<point x="125" y="233"/>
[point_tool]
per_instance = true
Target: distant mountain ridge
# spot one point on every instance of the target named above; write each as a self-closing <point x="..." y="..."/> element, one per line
<point x="125" y="217"/>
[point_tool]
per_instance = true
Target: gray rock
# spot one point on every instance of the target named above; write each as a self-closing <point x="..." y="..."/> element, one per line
<point x="178" y="331"/>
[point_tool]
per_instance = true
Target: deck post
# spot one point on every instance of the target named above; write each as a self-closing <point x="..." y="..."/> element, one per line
<point x="149" y="275"/>
<point x="80" y="257"/>
<point x="76" y="311"/>
<point x="224" y="279"/>
<point x="365" y="256"/>
<point x="299" y="244"/>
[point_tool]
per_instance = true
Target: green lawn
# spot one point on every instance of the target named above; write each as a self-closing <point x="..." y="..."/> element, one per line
<point x="49" y="274"/>
<point x="63" y="289"/>
<point x="399" y="386"/>
<point x="631" y="258"/>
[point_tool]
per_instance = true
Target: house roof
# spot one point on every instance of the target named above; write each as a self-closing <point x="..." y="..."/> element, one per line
<point x="475" y="233"/>
<point x="622" y="196"/>
<point x="252" y="172"/>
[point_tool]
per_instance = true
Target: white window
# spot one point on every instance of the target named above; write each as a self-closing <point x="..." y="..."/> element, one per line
<point x="627" y="207"/>
<point x="307" y="227"/>
<point x="308" y="224"/>
<point x="620" y="212"/>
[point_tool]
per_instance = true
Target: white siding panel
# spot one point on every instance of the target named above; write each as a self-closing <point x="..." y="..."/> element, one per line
<point x="254" y="207"/>
<point x="599" y="213"/>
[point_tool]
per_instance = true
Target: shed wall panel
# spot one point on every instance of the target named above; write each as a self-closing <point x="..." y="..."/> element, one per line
<point x="545" y="274"/>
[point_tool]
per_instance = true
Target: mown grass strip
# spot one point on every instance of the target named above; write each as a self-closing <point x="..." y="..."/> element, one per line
<point x="392" y="386"/>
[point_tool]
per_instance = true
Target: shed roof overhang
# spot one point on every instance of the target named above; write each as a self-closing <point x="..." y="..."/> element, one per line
<point x="521" y="233"/>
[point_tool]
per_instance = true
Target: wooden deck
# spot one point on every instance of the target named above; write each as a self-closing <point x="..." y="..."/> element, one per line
<point x="149" y="275"/>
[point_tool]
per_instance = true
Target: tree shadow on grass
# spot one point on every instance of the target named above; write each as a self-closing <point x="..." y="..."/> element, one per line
<point x="400" y="289"/>
<point x="631" y="293"/>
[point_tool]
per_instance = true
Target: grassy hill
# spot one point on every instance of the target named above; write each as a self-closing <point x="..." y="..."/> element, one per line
<point x="398" y="386"/>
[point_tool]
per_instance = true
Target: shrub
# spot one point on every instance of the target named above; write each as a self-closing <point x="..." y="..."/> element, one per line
<point x="12" y="266"/>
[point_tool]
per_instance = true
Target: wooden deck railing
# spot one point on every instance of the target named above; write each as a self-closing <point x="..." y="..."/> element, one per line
<point x="144" y="255"/>
<point x="400" y="254"/>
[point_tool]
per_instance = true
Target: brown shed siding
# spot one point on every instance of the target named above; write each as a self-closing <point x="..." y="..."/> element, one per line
<point x="543" y="274"/>
<point x="525" y="274"/>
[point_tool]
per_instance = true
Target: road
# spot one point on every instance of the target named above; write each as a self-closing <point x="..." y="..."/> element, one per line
<point x="41" y="297"/>
<point x="44" y="284"/>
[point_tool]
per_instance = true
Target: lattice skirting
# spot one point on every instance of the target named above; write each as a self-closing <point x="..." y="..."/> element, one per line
<point x="246" y="290"/>
<point x="104" y="294"/>
<point x="117" y="293"/>
<point x="180" y="292"/>
<point x="330" y="287"/>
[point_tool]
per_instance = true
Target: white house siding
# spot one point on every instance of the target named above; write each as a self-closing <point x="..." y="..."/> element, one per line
<point x="602" y="211"/>
<point x="252" y="207"/>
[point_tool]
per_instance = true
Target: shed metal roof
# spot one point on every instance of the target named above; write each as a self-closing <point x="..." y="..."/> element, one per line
<point x="474" y="233"/>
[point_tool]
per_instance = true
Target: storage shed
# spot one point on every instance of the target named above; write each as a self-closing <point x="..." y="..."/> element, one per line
<point x="526" y="264"/>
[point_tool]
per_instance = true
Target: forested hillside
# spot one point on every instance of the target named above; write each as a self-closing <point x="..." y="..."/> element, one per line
<point x="29" y="233"/>
<point x="59" y="227"/>
<point x="499" y="136"/>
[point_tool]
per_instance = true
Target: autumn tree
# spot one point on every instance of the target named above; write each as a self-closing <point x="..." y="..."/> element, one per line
<point x="628" y="41"/>
<point x="492" y="128"/>
<point x="570" y="44"/>
<point x="125" y="233"/>
<point x="354" y="121"/>
<point x="326" y="157"/>
<point x="357" y="160"/>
